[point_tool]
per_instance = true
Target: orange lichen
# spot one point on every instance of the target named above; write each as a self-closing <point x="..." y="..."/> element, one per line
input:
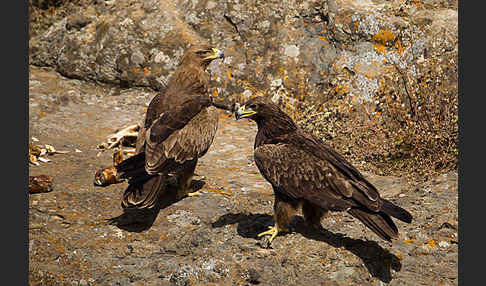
<point x="229" y="75"/>
<point x="323" y="39"/>
<point x="220" y="191"/>
<point x="342" y="89"/>
<point x="384" y="37"/>
<point x="431" y="243"/>
<point x="224" y="116"/>
<point x="417" y="3"/>
<point x="215" y="93"/>
<point x="146" y="70"/>
<point x="379" y="48"/>
<point x="409" y="240"/>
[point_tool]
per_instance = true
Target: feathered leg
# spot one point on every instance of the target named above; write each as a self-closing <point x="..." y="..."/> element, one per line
<point x="283" y="210"/>
<point x="185" y="178"/>
<point x="313" y="214"/>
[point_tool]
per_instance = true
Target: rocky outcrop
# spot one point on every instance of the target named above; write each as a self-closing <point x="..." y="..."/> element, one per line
<point x="301" y="49"/>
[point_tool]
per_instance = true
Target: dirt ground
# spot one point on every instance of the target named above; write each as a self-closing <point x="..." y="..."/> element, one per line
<point x="210" y="239"/>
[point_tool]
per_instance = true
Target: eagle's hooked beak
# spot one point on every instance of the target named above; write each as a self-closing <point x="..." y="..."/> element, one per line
<point x="217" y="54"/>
<point x="243" y="112"/>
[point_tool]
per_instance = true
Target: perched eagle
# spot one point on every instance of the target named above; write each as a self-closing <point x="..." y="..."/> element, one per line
<point x="305" y="172"/>
<point x="179" y="127"/>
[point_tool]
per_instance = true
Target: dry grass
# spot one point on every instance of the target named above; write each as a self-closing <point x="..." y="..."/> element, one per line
<point x="412" y="131"/>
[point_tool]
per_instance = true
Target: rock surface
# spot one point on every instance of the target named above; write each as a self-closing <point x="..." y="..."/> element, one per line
<point x="303" y="50"/>
<point x="210" y="239"/>
<point x="300" y="49"/>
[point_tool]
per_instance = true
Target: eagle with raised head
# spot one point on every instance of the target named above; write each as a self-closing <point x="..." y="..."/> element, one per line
<point x="305" y="172"/>
<point x="180" y="125"/>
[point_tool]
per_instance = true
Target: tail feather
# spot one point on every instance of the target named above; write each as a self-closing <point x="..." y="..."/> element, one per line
<point x="145" y="195"/>
<point x="380" y="223"/>
<point x="395" y="211"/>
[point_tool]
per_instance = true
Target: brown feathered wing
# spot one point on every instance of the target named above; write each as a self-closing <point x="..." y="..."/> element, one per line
<point x="299" y="174"/>
<point x="168" y="143"/>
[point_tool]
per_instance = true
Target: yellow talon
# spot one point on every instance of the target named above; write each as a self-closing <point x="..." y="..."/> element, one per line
<point x="273" y="231"/>
<point x="194" y="194"/>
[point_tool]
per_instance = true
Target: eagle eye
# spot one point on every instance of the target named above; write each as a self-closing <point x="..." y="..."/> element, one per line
<point x="252" y="106"/>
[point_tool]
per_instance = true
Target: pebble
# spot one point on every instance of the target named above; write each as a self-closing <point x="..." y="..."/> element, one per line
<point x="443" y="244"/>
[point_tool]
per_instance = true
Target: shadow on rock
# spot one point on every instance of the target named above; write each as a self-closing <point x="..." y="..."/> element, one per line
<point x="249" y="225"/>
<point x="138" y="220"/>
<point x="135" y="220"/>
<point x="377" y="260"/>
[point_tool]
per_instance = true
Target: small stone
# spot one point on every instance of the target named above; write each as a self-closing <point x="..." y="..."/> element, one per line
<point x="210" y="5"/>
<point x="40" y="184"/>
<point x="253" y="276"/>
<point x="291" y="51"/>
<point x="138" y="58"/>
<point x="264" y="243"/>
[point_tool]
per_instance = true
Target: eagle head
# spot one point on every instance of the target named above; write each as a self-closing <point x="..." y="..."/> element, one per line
<point x="257" y="107"/>
<point x="204" y="54"/>
<point x="271" y="120"/>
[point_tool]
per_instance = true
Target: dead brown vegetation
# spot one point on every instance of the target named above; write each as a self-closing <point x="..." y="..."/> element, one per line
<point x="412" y="131"/>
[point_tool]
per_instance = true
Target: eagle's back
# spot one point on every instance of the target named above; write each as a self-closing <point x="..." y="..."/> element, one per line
<point x="194" y="140"/>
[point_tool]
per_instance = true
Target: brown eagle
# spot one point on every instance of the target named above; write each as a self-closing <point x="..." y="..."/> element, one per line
<point x="305" y="172"/>
<point x="180" y="125"/>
